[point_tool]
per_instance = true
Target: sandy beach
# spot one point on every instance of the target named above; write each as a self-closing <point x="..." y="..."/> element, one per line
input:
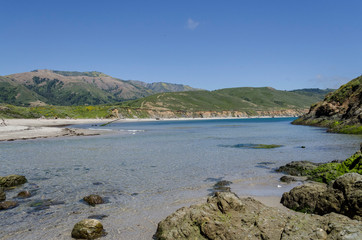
<point x="23" y="129"/>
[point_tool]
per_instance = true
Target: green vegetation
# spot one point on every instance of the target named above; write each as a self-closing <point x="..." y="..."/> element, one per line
<point x="354" y="87"/>
<point x="252" y="146"/>
<point x="332" y="125"/>
<point x="340" y="110"/>
<point x="101" y="111"/>
<point x="77" y="74"/>
<point x="267" y="146"/>
<point x="330" y="171"/>
<point x="232" y="99"/>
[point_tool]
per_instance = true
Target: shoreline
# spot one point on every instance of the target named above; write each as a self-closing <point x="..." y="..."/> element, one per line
<point x="25" y="129"/>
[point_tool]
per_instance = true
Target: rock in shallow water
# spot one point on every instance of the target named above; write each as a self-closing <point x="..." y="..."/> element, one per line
<point x="12" y="180"/>
<point x="24" y="194"/>
<point x="8" y="205"/>
<point x="225" y="216"/>
<point x="93" y="199"/>
<point x="88" y="229"/>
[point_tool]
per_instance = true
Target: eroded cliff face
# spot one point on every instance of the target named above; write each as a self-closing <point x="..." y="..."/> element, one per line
<point x="340" y="111"/>
<point x="163" y="113"/>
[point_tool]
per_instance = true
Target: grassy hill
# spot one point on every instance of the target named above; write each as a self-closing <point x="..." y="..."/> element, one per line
<point x="75" y="88"/>
<point x="230" y="99"/>
<point x="220" y="103"/>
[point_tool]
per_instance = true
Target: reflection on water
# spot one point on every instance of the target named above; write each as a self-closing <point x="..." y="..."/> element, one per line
<point x="150" y="169"/>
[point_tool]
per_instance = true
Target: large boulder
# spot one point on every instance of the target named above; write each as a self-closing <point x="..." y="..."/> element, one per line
<point x="344" y="197"/>
<point x="12" y="180"/>
<point x="226" y="216"/>
<point x="303" y="198"/>
<point x="2" y="195"/>
<point x="88" y="229"/>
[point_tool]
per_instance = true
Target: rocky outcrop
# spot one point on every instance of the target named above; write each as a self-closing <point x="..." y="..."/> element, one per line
<point x="88" y="229"/>
<point x="344" y="197"/>
<point x="226" y="216"/>
<point x="12" y="181"/>
<point x="340" y="111"/>
<point x="93" y="199"/>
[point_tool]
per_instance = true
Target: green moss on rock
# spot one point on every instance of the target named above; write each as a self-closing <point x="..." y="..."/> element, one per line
<point x="330" y="171"/>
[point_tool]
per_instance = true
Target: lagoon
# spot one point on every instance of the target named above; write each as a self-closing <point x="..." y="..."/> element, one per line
<point x="146" y="170"/>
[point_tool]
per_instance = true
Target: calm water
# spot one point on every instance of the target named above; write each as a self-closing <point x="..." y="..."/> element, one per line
<point x="149" y="169"/>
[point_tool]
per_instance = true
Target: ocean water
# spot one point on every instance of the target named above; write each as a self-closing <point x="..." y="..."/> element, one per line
<point x="146" y="170"/>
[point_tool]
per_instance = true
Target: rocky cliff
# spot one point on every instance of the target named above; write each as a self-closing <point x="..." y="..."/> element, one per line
<point x="340" y="111"/>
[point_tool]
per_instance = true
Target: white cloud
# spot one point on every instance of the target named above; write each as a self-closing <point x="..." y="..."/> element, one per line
<point x="191" y="24"/>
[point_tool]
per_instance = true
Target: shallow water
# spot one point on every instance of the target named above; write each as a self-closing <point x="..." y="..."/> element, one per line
<point x="149" y="169"/>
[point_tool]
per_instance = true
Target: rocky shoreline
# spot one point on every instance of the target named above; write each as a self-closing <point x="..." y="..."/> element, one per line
<point x="226" y="216"/>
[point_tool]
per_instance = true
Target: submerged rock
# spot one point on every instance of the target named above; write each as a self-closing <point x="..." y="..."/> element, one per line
<point x="12" y="180"/>
<point x="88" y="229"/>
<point x="2" y="195"/>
<point x="43" y="204"/>
<point x="226" y="216"/>
<point x="93" y="199"/>
<point x="8" y="205"/>
<point x="344" y="197"/>
<point x="24" y="194"/>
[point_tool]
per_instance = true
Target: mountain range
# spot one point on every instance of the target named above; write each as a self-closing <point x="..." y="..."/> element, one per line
<point x="41" y="87"/>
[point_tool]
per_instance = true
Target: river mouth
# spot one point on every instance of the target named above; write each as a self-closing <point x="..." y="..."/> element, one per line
<point x="149" y="173"/>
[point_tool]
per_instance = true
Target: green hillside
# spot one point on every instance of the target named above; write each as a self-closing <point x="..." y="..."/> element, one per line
<point x="340" y="111"/>
<point x="230" y="99"/>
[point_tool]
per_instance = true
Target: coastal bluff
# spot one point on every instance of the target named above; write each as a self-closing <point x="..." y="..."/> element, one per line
<point x="340" y="111"/>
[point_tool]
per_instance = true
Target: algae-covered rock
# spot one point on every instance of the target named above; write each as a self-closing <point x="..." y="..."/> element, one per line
<point x="2" y="195"/>
<point x="298" y="168"/>
<point x="88" y="229"/>
<point x="93" y="199"/>
<point x="330" y="171"/>
<point x="225" y="216"/>
<point x="12" y="180"/>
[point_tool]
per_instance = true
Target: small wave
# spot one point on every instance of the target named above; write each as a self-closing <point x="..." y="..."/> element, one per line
<point x="98" y="129"/>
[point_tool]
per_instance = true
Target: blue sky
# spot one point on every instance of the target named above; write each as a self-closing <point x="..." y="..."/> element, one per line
<point x="207" y="44"/>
